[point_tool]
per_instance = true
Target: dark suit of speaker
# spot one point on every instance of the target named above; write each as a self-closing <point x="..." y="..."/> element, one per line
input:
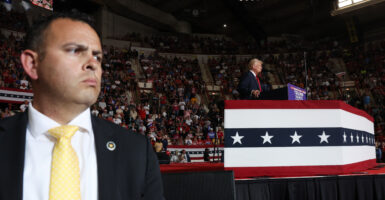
<point x="247" y="83"/>
<point x="131" y="171"/>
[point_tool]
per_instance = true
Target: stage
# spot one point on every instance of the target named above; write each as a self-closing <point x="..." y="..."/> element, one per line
<point x="310" y="150"/>
<point x="182" y="181"/>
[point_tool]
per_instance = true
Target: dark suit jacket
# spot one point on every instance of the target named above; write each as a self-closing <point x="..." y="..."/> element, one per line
<point x="131" y="171"/>
<point x="247" y="83"/>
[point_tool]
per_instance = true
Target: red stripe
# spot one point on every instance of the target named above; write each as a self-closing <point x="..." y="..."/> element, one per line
<point x="193" y="146"/>
<point x="7" y="101"/>
<point x="15" y="89"/>
<point x="286" y="104"/>
<point x="246" y="172"/>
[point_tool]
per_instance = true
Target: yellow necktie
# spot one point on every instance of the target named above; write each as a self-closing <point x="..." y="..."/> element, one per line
<point x="65" y="173"/>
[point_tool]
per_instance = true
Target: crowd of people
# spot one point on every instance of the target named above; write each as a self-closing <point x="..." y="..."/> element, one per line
<point x="175" y="104"/>
<point x="172" y="112"/>
<point x="184" y="43"/>
<point x="12" y="75"/>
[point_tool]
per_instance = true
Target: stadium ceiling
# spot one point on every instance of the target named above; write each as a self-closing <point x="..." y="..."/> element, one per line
<point x="256" y="18"/>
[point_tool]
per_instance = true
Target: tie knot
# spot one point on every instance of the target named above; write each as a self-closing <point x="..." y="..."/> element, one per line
<point x="66" y="131"/>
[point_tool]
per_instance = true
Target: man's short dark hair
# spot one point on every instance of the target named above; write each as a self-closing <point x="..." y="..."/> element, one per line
<point x="35" y="37"/>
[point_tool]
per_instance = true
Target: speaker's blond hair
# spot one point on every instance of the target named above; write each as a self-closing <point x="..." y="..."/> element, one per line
<point x="253" y="61"/>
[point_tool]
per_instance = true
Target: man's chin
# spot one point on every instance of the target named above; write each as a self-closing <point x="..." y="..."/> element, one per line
<point x="88" y="100"/>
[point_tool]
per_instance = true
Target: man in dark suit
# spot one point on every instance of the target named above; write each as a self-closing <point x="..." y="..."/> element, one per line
<point x="63" y="58"/>
<point x="249" y="86"/>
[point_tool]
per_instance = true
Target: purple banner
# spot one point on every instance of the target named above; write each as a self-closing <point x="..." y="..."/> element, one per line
<point x="295" y="93"/>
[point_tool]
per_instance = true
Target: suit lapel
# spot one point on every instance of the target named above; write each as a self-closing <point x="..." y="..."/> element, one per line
<point x="106" y="160"/>
<point x="255" y="80"/>
<point x="12" y="151"/>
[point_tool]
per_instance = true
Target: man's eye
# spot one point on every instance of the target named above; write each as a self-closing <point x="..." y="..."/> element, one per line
<point x="98" y="58"/>
<point x="73" y="50"/>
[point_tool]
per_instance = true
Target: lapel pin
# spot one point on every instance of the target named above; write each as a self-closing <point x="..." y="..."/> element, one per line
<point x="111" y="145"/>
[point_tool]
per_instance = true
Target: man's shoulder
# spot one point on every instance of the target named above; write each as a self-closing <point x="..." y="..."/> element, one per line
<point x="18" y="117"/>
<point x="247" y="74"/>
<point x="13" y="124"/>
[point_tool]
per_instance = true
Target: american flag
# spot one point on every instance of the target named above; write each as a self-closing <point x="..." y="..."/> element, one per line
<point x="290" y="138"/>
<point x="47" y="4"/>
<point x="196" y="151"/>
<point x="11" y="95"/>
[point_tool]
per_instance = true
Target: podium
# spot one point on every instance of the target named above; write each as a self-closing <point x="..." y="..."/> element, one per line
<point x="289" y="92"/>
<point x="296" y="138"/>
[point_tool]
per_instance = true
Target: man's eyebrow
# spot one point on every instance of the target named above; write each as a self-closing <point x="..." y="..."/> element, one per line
<point x="81" y="46"/>
<point x="97" y="52"/>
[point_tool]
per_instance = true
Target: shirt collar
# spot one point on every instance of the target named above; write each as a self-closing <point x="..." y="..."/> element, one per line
<point x="39" y="124"/>
<point x="253" y="73"/>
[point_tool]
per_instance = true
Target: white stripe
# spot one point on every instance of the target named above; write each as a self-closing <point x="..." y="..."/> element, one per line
<point x="196" y="155"/>
<point x="296" y="118"/>
<point x="201" y="155"/>
<point x="297" y="156"/>
<point x="16" y="92"/>
<point x="13" y="99"/>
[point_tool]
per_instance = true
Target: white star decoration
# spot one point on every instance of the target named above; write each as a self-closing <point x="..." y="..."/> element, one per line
<point x="357" y="139"/>
<point x="324" y="137"/>
<point x="267" y="138"/>
<point x="295" y="138"/>
<point x="237" y="138"/>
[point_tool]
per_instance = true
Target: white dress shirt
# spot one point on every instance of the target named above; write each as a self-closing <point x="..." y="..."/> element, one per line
<point x="255" y="76"/>
<point x="38" y="155"/>
<point x="253" y="73"/>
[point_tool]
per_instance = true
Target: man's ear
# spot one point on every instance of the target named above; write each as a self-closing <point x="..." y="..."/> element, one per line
<point x="29" y="60"/>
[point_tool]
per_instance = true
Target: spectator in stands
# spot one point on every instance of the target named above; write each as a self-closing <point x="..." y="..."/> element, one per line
<point x="165" y="142"/>
<point x="184" y="157"/>
<point x="220" y="135"/>
<point x="63" y="58"/>
<point x="211" y="135"/>
<point x="24" y="106"/>
<point x="7" y="113"/>
<point x="188" y="141"/>
<point x="174" y="157"/>
<point x="249" y="86"/>
<point x="117" y="120"/>
<point x="158" y="145"/>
